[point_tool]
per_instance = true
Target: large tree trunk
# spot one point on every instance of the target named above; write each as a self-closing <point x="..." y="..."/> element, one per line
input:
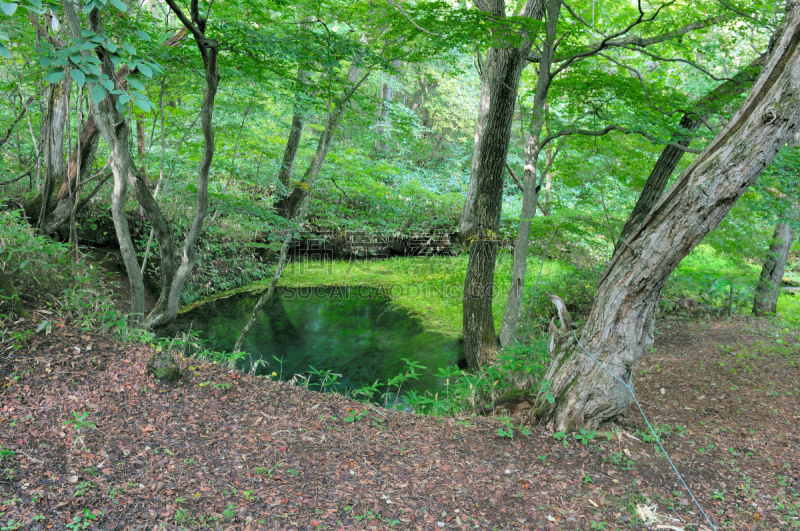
<point x="619" y="328"/>
<point x="53" y="126"/>
<point x="500" y="83"/>
<point x="530" y="192"/>
<point x="769" y="285"/>
<point x="712" y="103"/>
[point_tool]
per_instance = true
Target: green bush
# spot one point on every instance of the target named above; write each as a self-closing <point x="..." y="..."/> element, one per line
<point x="74" y="292"/>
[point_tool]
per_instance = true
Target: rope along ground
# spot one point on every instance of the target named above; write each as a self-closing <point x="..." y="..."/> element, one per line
<point x="652" y="431"/>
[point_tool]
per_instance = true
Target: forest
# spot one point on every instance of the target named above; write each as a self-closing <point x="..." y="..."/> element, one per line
<point x="414" y="264"/>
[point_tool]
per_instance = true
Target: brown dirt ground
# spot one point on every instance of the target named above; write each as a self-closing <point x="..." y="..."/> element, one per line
<point x="224" y="450"/>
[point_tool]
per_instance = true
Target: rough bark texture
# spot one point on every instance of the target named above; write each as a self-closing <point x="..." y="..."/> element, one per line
<point x="712" y="103"/>
<point x="769" y="285"/>
<point x="53" y="150"/>
<point x="530" y="192"/>
<point x="499" y="86"/>
<point x="619" y="328"/>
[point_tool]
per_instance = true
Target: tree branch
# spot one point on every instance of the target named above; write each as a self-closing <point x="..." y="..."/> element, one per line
<point x="610" y="128"/>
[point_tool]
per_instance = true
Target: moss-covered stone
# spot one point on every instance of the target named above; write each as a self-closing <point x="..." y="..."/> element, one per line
<point x="163" y="367"/>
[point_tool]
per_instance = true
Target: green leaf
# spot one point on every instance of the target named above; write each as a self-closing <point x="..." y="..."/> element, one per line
<point x="8" y="8"/>
<point x="54" y="76"/>
<point x="144" y="105"/>
<point x="143" y="35"/>
<point x="119" y="5"/>
<point x="110" y="46"/>
<point x="135" y="83"/>
<point x="4" y="52"/>
<point x="124" y="99"/>
<point x="108" y="84"/>
<point x="146" y="70"/>
<point x="130" y="49"/>
<point x="75" y="58"/>
<point x="98" y="93"/>
<point x="87" y="33"/>
<point x="78" y="76"/>
<point x="46" y="61"/>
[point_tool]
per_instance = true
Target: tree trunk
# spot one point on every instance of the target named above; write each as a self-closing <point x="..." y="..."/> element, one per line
<point x="619" y="328"/>
<point x="293" y="142"/>
<point x="769" y="285"/>
<point x="289" y="206"/>
<point x="530" y="193"/>
<point x="500" y="77"/>
<point x="384" y="123"/>
<point x="712" y="103"/>
<point x="53" y="151"/>
<point x="167" y="307"/>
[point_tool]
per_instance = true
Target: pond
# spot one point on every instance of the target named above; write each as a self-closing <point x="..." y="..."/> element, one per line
<point x="353" y="331"/>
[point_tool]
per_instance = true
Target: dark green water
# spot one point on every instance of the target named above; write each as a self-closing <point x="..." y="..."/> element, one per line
<point x="352" y="331"/>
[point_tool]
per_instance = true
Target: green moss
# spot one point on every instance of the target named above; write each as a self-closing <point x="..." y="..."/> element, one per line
<point x="163" y="367"/>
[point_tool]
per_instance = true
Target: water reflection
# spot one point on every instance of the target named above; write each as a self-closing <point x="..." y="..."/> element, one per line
<point x="353" y="331"/>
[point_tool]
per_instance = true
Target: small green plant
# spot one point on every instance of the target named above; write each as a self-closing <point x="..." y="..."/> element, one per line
<point x="82" y="488"/>
<point x="83" y="521"/>
<point x="585" y="436"/>
<point x="353" y="416"/>
<point x="80" y="421"/>
<point x="561" y="436"/>
<point x="11" y="525"/>
<point x="508" y="429"/>
<point x="5" y="452"/>
<point x="229" y="512"/>
<point x="182" y="517"/>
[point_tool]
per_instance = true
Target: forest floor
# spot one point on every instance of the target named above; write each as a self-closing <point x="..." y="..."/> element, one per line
<point x="219" y="449"/>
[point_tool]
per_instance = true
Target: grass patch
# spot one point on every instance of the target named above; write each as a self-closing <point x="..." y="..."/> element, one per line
<point x="429" y="287"/>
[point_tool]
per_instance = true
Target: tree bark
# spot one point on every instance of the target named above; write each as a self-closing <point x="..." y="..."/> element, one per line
<point x="530" y="193"/>
<point x="53" y="151"/>
<point x="289" y="206"/>
<point x="769" y="285"/>
<point x="712" y="103"/>
<point x="292" y="146"/>
<point x="619" y="328"/>
<point x="499" y="86"/>
<point x="167" y="307"/>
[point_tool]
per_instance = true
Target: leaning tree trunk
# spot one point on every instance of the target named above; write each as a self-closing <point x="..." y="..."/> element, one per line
<point x="500" y="77"/>
<point x="530" y="191"/>
<point x="293" y="142"/>
<point x="290" y="205"/>
<point x="769" y="285"/>
<point x="712" y="103"/>
<point x="619" y="328"/>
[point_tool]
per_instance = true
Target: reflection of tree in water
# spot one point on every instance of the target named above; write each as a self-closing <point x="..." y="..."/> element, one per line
<point x="283" y="331"/>
<point x="357" y="333"/>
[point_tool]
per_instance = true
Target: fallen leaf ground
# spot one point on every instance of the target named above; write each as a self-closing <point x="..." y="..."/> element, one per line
<point x="230" y="451"/>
